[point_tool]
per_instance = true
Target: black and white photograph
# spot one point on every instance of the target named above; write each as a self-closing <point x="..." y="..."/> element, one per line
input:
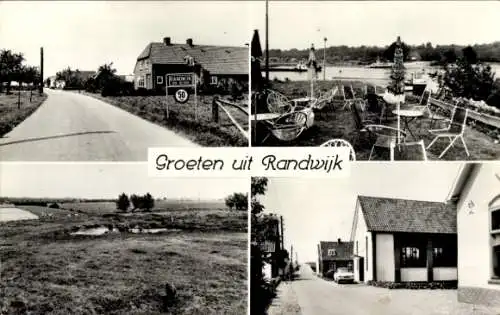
<point x="105" y="80"/>
<point x="393" y="80"/>
<point x="108" y="239"/>
<point x="402" y="238"/>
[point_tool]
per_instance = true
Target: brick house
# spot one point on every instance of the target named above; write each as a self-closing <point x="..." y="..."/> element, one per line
<point x="398" y="240"/>
<point x="333" y="255"/>
<point x="219" y="64"/>
<point x="476" y="193"/>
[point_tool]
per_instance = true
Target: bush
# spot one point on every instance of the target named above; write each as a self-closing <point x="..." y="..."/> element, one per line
<point x="436" y="285"/>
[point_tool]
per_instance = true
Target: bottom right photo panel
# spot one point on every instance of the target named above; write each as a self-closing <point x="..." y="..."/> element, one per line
<point x="398" y="238"/>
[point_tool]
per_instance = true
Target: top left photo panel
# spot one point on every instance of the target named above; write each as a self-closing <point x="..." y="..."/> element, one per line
<point x="106" y="80"/>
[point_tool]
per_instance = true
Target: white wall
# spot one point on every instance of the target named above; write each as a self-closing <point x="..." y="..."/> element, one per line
<point x="413" y="274"/>
<point x="361" y="232"/>
<point x="385" y="257"/>
<point x="474" y="251"/>
<point x="444" y="274"/>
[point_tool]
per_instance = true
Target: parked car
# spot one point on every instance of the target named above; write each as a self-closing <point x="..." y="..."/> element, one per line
<point x="343" y="275"/>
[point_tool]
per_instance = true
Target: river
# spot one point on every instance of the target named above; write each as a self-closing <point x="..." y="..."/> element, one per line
<point x="370" y="75"/>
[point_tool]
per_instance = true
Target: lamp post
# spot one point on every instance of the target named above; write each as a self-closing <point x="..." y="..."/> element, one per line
<point x="324" y="59"/>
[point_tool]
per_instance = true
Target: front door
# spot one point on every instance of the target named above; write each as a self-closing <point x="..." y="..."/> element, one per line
<point x="361" y="268"/>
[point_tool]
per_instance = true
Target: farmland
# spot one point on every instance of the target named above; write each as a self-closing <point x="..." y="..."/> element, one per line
<point x="46" y="268"/>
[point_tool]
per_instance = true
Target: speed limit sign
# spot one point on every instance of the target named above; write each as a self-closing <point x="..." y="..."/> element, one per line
<point x="181" y="96"/>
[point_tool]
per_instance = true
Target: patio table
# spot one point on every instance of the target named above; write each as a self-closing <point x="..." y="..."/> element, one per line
<point x="303" y="100"/>
<point x="408" y="115"/>
<point x="265" y="116"/>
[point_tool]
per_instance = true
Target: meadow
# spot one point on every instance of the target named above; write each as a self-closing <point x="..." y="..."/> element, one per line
<point x="47" y="269"/>
<point x="12" y="113"/>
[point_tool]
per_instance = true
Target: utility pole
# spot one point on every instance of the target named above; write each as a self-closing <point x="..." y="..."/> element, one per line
<point x="282" y="237"/>
<point x="40" y="84"/>
<point x="267" y="42"/>
<point x="324" y="59"/>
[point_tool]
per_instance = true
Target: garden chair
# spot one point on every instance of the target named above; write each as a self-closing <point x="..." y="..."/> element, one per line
<point x="278" y="103"/>
<point x="349" y="101"/>
<point x="324" y="99"/>
<point x="383" y="135"/>
<point x="287" y="127"/>
<point x="454" y="131"/>
<point x="423" y="104"/>
<point x="341" y="143"/>
<point x="408" y="151"/>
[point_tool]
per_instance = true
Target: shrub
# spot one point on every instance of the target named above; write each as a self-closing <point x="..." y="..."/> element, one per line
<point x="123" y="203"/>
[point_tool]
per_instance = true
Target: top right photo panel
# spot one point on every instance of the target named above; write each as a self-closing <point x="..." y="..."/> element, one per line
<point x="392" y="80"/>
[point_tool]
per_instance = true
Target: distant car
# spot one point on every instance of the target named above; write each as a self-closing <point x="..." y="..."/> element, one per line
<point x="343" y="275"/>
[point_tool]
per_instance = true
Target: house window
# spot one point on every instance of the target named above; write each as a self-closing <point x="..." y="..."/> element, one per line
<point x="495" y="237"/>
<point x="159" y="79"/>
<point x="444" y="251"/>
<point x="332" y="252"/>
<point x="140" y="82"/>
<point x="357" y="248"/>
<point x="413" y="252"/>
<point x="213" y="80"/>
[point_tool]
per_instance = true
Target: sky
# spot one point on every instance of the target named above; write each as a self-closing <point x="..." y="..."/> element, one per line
<point x="298" y="24"/>
<point x="87" y="34"/>
<point x="107" y="180"/>
<point x="316" y="210"/>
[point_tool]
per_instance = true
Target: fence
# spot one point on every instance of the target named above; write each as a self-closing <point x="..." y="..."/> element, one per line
<point x="218" y="103"/>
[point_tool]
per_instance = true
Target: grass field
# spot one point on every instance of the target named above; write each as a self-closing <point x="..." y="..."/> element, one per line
<point x="333" y="122"/>
<point x="199" y="128"/>
<point x="46" y="270"/>
<point x="11" y="115"/>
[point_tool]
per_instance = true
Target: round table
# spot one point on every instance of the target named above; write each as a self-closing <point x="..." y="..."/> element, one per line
<point x="408" y="115"/>
<point x="265" y="116"/>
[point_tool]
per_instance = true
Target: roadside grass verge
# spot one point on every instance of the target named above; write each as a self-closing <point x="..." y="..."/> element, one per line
<point x="11" y="115"/>
<point x="198" y="128"/>
<point x="124" y="273"/>
<point x="333" y="122"/>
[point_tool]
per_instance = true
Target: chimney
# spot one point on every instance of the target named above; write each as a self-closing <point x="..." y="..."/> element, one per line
<point x="339" y="241"/>
<point x="189" y="41"/>
<point x="166" y="41"/>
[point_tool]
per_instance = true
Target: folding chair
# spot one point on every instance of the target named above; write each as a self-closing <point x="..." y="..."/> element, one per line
<point x="349" y="101"/>
<point x="341" y="143"/>
<point x="454" y="131"/>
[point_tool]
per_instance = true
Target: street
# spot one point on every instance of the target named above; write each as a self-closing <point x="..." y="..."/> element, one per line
<point x="74" y="127"/>
<point x="310" y="295"/>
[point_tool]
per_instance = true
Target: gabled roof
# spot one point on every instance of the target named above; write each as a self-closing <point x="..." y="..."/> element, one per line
<point x="400" y="215"/>
<point x="343" y="250"/>
<point x="215" y="59"/>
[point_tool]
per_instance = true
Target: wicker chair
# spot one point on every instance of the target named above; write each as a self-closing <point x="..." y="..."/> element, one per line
<point x="288" y="127"/>
<point x="341" y="143"/>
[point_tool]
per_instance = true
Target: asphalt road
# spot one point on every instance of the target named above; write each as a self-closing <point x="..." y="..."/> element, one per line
<point x="73" y="127"/>
<point x="310" y="295"/>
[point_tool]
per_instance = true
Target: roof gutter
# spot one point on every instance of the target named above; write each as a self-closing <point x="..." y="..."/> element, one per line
<point x="461" y="181"/>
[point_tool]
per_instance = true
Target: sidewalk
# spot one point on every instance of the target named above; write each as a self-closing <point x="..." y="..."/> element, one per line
<point x="285" y="302"/>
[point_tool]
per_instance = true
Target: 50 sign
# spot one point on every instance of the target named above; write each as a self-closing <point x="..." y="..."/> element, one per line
<point x="181" y="96"/>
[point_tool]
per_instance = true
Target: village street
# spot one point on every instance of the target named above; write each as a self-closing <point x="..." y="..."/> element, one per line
<point x="310" y="295"/>
<point x="74" y="127"/>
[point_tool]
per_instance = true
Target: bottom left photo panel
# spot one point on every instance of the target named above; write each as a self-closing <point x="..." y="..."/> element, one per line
<point x="108" y="239"/>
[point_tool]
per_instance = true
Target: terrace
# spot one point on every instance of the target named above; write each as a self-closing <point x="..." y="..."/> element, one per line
<point x="334" y="121"/>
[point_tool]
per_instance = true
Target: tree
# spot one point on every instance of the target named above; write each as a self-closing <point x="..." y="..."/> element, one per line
<point x="136" y="202"/>
<point x="469" y="78"/>
<point x="10" y="67"/>
<point x="390" y="52"/>
<point x="258" y="187"/>
<point x="397" y="86"/>
<point x="148" y="202"/>
<point x="239" y="201"/>
<point x="123" y="202"/>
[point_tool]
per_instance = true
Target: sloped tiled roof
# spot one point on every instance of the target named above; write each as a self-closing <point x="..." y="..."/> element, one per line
<point x="215" y="59"/>
<point x="400" y="215"/>
<point x="343" y="250"/>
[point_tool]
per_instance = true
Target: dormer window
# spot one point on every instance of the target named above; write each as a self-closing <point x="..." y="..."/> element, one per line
<point x="332" y="252"/>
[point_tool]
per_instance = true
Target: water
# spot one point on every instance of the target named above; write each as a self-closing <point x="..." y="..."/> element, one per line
<point x="151" y="231"/>
<point x="93" y="231"/>
<point x="15" y="214"/>
<point x="369" y="75"/>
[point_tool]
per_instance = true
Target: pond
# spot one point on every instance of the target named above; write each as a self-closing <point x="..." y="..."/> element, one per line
<point x="101" y="230"/>
<point x="16" y="214"/>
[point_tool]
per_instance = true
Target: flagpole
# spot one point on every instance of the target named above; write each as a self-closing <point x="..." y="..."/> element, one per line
<point x="267" y="42"/>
